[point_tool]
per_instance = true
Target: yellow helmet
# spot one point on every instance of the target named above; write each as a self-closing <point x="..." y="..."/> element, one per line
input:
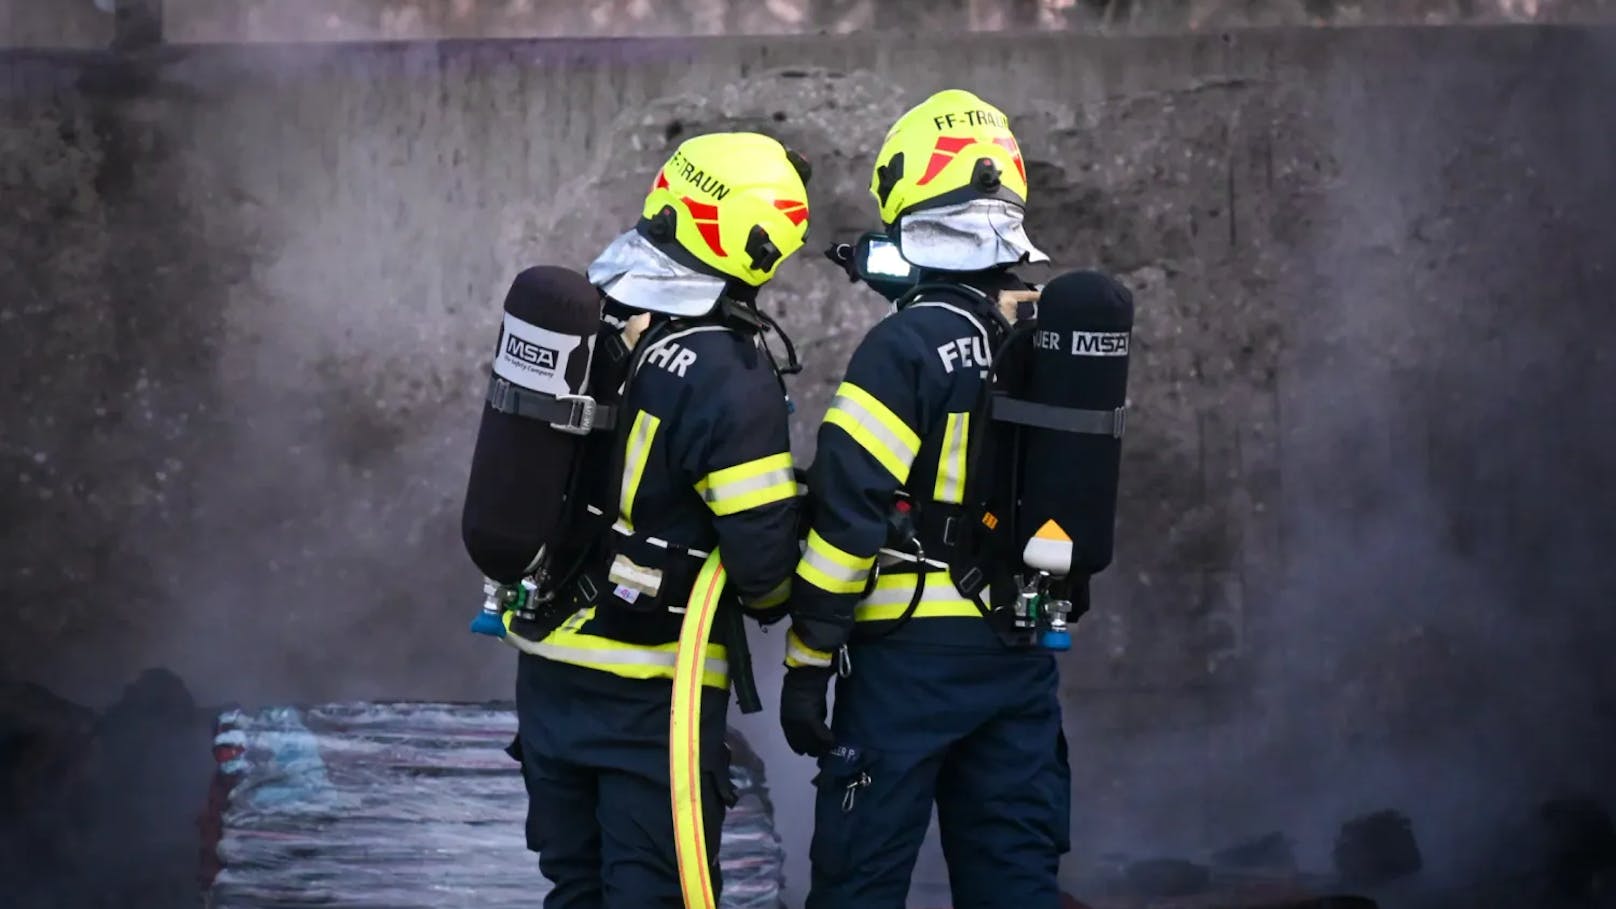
<point x="729" y="204"/>
<point x="952" y="147"/>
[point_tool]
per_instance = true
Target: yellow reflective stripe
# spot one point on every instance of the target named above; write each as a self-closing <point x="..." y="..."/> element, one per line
<point x="892" y="593"/>
<point x="799" y="655"/>
<point x="634" y="460"/>
<point x="831" y="569"/>
<point x="951" y="460"/>
<point x="684" y="740"/>
<point x="875" y="428"/>
<point x="780" y="593"/>
<point x="633" y="661"/>
<point x="749" y="485"/>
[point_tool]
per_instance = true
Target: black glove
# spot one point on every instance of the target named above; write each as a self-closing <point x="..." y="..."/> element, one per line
<point x="803" y="711"/>
<point x="770" y="616"/>
<point x="842" y="255"/>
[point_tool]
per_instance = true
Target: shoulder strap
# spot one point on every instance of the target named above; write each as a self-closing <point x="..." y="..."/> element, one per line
<point x="597" y="526"/>
<point x="660" y="333"/>
<point x="656" y="335"/>
<point x="977" y="304"/>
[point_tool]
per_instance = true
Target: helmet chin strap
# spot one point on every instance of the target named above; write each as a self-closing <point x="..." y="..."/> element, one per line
<point x="793" y="366"/>
<point x="747" y="313"/>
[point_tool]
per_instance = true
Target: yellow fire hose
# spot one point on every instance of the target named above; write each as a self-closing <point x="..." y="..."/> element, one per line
<point x="684" y="737"/>
<point x="684" y="731"/>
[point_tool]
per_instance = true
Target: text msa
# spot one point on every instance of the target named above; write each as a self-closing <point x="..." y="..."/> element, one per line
<point x="1085" y="343"/>
<point x="536" y="355"/>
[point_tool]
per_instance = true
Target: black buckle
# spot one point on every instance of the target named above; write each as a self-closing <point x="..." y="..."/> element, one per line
<point x="582" y="419"/>
<point x="587" y="588"/>
<point x="501" y="395"/>
<point x="951" y="531"/>
<point x="971" y="582"/>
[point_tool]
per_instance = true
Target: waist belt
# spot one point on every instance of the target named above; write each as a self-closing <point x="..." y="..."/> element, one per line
<point x="892" y="559"/>
<point x="621" y="528"/>
<point x="894" y="591"/>
<point x="632" y="661"/>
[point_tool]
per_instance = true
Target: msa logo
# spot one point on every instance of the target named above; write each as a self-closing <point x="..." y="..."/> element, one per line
<point x="1099" y="344"/>
<point x="532" y="354"/>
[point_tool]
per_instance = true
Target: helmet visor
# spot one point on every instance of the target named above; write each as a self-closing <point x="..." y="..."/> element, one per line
<point x="967" y="236"/>
<point x="635" y="273"/>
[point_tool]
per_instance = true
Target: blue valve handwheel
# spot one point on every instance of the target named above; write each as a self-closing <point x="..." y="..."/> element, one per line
<point x="1056" y="640"/>
<point x="488" y="623"/>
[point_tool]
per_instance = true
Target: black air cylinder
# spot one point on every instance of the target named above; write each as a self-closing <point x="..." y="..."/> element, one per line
<point x="1079" y="359"/>
<point x="521" y="467"/>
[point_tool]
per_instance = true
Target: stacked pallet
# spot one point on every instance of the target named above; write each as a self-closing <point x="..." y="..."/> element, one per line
<point x="404" y="805"/>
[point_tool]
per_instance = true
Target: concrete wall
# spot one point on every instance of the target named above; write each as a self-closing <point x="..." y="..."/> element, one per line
<point x="88" y="23"/>
<point x="285" y="20"/>
<point x="1362" y="544"/>
<point x="54" y="23"/>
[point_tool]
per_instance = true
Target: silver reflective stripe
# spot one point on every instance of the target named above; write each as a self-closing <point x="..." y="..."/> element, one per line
<point x="800" y="655"/>
<point x="590" y="656"/>
<point x="736" y="488"/>
<point x="671" y="337"/>
<point x="937" y="590"/>
<point x="658" y="542"/>
<point x="965" y="314"/>
<point x="951" y="461"/>
<point x="780" y="593"/>
<point x="872" y="424"/>
<point x="834" y="570"/>
<point x="891" y="557"/>
<point x="634" y="462"/>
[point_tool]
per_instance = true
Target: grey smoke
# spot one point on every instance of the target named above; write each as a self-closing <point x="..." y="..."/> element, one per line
<point x="1440" y="641"/>
<point x="256" y="298"/>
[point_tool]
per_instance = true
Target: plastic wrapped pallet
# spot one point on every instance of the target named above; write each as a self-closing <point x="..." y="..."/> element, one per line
<point x="403" y="805"/>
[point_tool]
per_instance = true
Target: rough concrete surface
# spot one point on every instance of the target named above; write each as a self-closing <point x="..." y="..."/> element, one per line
<point x="248" y="295"/>
<point x="305" y="20"/>
<point x="54" y="23"/>
<point x="88" y="23"/>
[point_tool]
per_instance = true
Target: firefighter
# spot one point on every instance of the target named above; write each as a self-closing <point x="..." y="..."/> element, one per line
<point x="700" y="460"/>
<point x="935" y="705"/>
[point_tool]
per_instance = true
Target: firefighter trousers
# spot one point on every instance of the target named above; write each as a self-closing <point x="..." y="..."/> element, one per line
<point x="594" y="753"/>
<point x="976" y="732"/>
